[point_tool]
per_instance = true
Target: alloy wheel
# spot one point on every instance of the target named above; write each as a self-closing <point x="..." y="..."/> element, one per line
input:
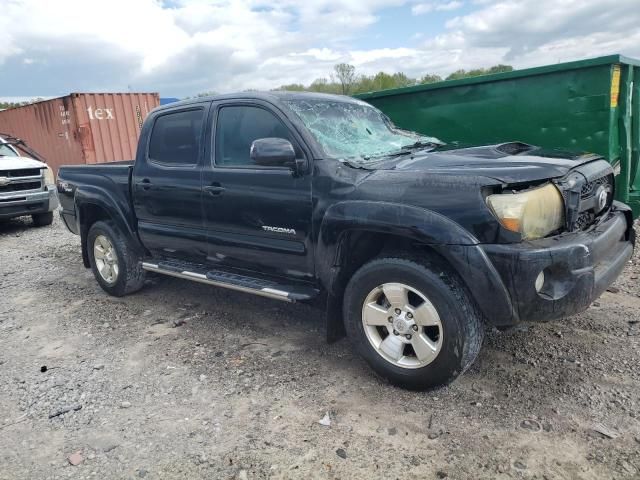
<point x="106" y="259"/>
<point x="402" y="325"/>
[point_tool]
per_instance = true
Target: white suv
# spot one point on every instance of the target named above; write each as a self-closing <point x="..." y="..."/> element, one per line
<point x="27" y="186"/>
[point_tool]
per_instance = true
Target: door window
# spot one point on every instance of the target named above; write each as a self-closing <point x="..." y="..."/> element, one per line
<point x="175" y="138"/>
<point x="236" y="129"/>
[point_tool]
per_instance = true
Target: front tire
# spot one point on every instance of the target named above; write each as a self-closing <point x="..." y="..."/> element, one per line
<point x="42" y="219"/>
<point x="116" y="266"/>
<point x="414" y="323"/>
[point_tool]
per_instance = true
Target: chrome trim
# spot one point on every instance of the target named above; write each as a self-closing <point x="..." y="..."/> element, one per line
<point x="23" y="196"/>
<point x="275" y="291"/>
<point x="198" y="277"/>
<point x="30" y="178"/>
<point x="195" y="275"/>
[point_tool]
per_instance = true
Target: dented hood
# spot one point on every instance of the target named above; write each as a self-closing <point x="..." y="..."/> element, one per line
<point x="17" y="163"/>
<point x="530" y="165"/>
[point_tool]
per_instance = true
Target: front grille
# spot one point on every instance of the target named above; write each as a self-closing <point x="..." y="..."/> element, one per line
<point x="25" y="172"/>
<point x="584" y="220"/>
<point x="19" y="187"/>
<point x="582" y="190"/>
<point x="590" y="188"/>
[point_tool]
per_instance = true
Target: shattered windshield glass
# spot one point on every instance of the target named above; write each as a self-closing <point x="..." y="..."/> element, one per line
<point x="347" y="129"/>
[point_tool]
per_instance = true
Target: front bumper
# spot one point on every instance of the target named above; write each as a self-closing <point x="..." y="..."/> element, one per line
<point x="29" y="203"/>
<point x="577" y="267"/>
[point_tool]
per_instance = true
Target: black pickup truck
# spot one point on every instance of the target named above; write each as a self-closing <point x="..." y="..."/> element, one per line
<point x="411" y="246"/>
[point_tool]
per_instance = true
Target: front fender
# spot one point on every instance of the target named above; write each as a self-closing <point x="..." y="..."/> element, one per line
<point x="456" y="245"/>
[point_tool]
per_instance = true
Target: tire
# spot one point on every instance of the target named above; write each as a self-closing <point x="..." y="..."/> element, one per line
<point x="42" y="219"/>
<point x="448" y="345"/>
<point x="121" y="261"/>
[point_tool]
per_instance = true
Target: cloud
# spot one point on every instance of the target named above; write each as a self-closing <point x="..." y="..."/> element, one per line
<point x="533" y="26"/>
<point x="179" y="45"/>
<point x="422" y="8"/>
<point x="182" y="47"/>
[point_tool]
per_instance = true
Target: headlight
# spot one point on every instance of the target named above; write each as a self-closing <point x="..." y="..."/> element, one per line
<point x="533" y="214"/>
<point x="49" y="177"/>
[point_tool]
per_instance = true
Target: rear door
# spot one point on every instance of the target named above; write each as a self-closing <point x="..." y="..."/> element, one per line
<point x="167" y="190"/>
<point x="257" y="217"/>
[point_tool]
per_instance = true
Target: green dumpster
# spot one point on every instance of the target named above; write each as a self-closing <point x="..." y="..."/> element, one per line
<point x="590" y="105"/>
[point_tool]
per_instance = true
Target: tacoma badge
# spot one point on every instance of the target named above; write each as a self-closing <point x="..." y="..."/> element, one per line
<point x="290" y="231"/>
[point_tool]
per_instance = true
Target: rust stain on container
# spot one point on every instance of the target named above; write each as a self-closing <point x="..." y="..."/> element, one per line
<point x="82" y="127"/>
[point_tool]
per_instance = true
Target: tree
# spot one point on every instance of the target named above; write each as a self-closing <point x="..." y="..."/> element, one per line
<point x="6" y="105"/>
<point x="458" y="74"/>
<point x="345" y="81"/>
<point x="500" y="69"/>
<point x="322" y="85"/>
<point x="430" y="78"/>
<point x="292" y="87"/>
<point x="346" y="75"/>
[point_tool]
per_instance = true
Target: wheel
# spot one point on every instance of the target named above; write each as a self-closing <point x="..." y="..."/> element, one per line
<point x="42" y="219"/>
<point x="116" y="266"/>
<point x="413" y="323"/>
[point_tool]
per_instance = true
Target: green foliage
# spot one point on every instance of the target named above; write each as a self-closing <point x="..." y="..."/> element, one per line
<point x="458" y="74"/>
<point x="345" y="81"/>
<point x="293" y="87"/>
<point x="430" y="78"/>
<point x="346" y="76"/>
<point x="7" y="105"/>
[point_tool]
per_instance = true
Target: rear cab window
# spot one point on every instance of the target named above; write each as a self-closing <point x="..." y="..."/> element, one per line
<point x="176" y="138"/>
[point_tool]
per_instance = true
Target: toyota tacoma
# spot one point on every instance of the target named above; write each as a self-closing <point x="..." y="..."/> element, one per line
<point x="412" y="247"/>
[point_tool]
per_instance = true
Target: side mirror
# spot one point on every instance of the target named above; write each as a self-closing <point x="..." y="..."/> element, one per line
<point x="273" y="152"/>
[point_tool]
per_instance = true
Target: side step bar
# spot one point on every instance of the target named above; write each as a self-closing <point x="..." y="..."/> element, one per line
<point x="232" y="281"/>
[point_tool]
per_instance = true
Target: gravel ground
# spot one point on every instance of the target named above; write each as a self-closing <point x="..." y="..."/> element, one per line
<point x="182" y="380"/>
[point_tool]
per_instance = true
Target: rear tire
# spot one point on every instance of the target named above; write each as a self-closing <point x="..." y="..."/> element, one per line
<point x="420" y="339"/>
<point x="42" y="219"/>
<point x="116" y="266"/>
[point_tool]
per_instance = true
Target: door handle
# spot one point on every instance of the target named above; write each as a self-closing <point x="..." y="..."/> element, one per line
<point x="214" y="189"/>
<point x="146" y="184"/>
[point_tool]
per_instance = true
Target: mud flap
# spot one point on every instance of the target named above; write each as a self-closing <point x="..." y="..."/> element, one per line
<point x="333" y="318"/>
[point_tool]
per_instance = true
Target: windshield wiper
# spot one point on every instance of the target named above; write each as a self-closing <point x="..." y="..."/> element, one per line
<point x="368" y="163"/>
<point x="381" y="157"/>
<point x="420" y="144"/>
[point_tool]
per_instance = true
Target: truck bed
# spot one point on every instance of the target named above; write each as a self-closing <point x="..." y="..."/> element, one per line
<point x="114" y="178"/>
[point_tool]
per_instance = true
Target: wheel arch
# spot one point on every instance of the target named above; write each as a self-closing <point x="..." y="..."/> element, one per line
<point x="353" y="233"/>
<point x="93" y="206"/>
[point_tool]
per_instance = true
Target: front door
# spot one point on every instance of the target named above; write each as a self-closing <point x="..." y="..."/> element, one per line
<point x="167" y="188"/>
<point x="257" y="217"/>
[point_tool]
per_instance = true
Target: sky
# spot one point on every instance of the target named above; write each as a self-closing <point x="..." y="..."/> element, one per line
<point x="183" y="47"/>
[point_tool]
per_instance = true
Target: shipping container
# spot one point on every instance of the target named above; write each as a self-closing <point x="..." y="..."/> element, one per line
<point x="590" y="105"/>
<point x="81" y="128"/>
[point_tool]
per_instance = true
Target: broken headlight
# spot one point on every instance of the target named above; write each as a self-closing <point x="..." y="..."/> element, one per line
<point x="532" y="213"/>
<point x="49" y="177"/>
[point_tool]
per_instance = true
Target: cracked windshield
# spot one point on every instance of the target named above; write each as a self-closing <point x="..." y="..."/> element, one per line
<point x="347" y="130"/>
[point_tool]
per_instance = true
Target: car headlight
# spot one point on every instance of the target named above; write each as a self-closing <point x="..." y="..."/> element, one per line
<point x="533" y="213"/>
<point x="49" y="178"/>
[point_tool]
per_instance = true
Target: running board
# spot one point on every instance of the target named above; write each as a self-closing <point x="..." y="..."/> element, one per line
<point x="233" y="281"/>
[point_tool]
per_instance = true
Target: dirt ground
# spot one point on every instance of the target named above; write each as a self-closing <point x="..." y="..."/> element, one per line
<point x="182" y="380"/>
